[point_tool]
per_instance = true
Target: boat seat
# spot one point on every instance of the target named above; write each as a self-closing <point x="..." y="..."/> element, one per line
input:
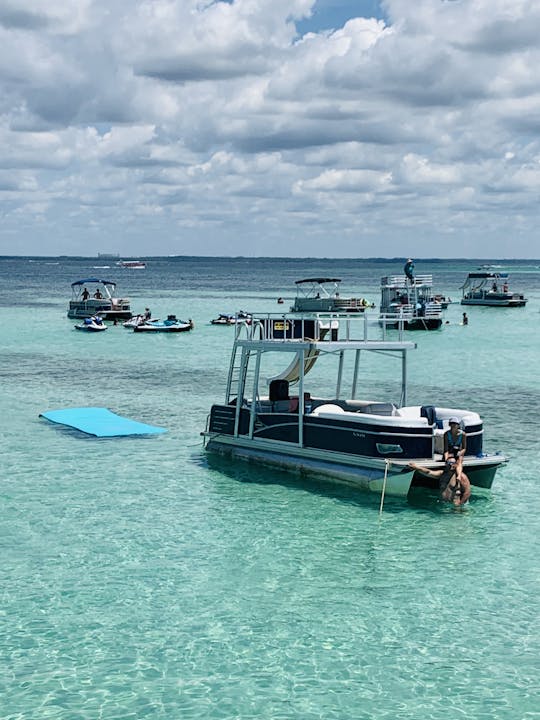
<point x="328" y="408"/>
<point x="379" y="408"/>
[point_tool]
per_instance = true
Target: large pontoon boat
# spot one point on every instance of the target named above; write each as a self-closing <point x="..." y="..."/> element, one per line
<point x="333" y="433"/>
<point x="490" y="288"/>
<point x="409" y="301"/>
<point x="97" y="297"/>
<point x="322" y="295"/>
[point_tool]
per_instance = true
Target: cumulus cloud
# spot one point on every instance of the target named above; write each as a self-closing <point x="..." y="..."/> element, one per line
<point x="212" y="121"/>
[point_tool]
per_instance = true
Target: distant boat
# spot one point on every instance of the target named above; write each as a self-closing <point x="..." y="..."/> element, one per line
<point x="321" y="294"/>
<point x="231" y="319"/>
<point x="409" y="302"/>
<point x="92" y="324"/>
<point x="132" y="264"/>
<point x="170" y="325"/>
<point x="491" y="289"/>
<point x="101" y="300"/>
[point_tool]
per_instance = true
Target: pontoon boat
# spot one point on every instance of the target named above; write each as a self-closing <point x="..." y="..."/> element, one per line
<point x="97" y="297"/>
<point x="490" y="288"/>
<point x="334" y="433"/>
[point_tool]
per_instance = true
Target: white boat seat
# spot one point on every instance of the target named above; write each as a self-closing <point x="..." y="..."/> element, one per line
<point x="329" y="408"/>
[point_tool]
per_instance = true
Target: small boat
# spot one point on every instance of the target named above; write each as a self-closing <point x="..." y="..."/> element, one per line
<point x="93" y="296"/>
<point x="367" y="442"/>
<point x="231" y="319"/>
<point x="408" y="301"/>
<point x="491" y="289"/>
<point x="93" y="324"/>
<point x="139" y="319"/>
<point x="170" y="325"/>
<point x="442" y="300"/>
<point x="321" y="294"/>
<point x="132" y="264"/>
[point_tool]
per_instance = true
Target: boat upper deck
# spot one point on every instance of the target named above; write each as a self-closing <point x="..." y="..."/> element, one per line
<point x="401" y="281"/>
<point x="328" y="332"/>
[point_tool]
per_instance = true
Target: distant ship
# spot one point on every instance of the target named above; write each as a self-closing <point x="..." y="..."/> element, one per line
<point x="132" y="264"/>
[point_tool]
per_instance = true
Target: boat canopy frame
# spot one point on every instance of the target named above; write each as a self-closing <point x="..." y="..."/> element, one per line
<point x="254" y="340"/>
<point x="317" y="284"/>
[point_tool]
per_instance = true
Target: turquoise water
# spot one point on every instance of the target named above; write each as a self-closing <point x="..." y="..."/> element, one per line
<point x="143" y="579"/>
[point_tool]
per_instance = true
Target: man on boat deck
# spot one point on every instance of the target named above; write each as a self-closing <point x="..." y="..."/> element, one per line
<point x="409" y="269"/>
<point x="85" y="294"/>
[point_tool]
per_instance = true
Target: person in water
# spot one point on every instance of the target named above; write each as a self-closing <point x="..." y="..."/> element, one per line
<point x="409" y="269"/>
<point x="465" y="320"/>
<point x="455" y="444"/>
<point x="453" y="489"/>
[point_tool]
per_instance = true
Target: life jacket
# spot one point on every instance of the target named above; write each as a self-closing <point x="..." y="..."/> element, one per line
<point x="454" y="444"/>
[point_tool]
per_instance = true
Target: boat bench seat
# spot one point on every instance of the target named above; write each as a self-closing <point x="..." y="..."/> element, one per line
<point x="371" y="407"/>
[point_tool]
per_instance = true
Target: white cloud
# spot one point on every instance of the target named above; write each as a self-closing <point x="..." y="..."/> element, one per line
<point x="218" y="118"/>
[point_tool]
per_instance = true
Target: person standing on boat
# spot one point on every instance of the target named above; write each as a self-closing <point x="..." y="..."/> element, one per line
<point x="454" y="489"/>
<point x="147" y="314"/>
<point x="409" y="270"/>
<point x="85" y="294"/>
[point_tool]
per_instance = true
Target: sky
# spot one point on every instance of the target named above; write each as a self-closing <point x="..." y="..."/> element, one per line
<point x="300" y="128"/>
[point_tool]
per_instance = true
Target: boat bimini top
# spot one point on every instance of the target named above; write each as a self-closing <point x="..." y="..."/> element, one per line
<point x="481" y="278"/>
<point x="108" y="285"/>
<point x="316" y="284"/>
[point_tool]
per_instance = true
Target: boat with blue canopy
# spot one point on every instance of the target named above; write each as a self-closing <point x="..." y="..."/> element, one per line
<point x="93" y="296"/>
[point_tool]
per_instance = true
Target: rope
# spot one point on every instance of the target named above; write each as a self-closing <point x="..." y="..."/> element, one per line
<point x="387" y="465"/>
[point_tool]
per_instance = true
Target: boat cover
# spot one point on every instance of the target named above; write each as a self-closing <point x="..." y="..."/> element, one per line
<point x="100" y="422"/>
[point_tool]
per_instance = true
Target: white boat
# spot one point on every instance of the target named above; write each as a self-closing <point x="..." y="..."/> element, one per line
<point x="170" y="325"/>
<point x="138" y="320"/>
<point x="230" y="318"/>
<point x="408" y="301"/>
<point x="132" y="264"/>
<point x="93" y="324"/>
<point x="333" y="433"/>
<point x="491" y="289"/>
<point x="322" y="294"/>
<point x="92" y="296"/>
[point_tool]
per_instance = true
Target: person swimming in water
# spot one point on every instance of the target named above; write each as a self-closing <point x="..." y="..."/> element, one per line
<point x="454" y="488"/>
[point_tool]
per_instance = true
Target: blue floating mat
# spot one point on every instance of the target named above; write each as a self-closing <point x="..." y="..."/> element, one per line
<point x="100" y="422"/>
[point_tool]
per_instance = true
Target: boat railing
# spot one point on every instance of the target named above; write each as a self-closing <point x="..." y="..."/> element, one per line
<point x="402" y="281"/>
<point x="319" y="327"/>
<point x="393" y="320"/>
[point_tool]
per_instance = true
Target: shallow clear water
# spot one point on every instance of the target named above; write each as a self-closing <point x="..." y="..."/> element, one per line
<point x="141" y="578"/>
